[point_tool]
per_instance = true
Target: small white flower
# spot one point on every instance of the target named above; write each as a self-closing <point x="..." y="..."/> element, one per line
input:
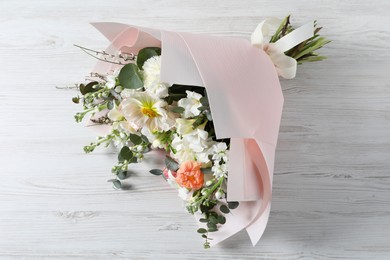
<point x="152" y="82"/>
<point x="219" y="195"/>
<point x="219" y="170"/>
<point x="220" y="152"/>
<point x="190" y="104"/>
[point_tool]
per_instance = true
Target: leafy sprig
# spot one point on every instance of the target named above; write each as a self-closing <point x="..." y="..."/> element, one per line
<point x="305" y="51"/>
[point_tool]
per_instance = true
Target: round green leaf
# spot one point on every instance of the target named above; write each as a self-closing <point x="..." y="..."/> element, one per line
<point x="130" y="77"/>
<point x="202" y="231"/>
<point x="117" y="184"/>
<point x="156" y="172"/>
<point x="224" y="209"/>
<point x="233" y="204"/>
<point x="135" y="139"/>
<point x="221" y="219"/>
<point x="122" y="175"/>
<point x="125" y="154"/>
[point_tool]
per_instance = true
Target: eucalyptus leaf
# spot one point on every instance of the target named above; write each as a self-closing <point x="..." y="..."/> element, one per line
<point x="135" y="139"/>
<point x="233" y="204"/>
<point x="117" y="184"/>
<point x="171" y="164"/>
<point x="156" y="172"/>
<point x="145" y="54"/>
<point x="203" y="220"/>
<point x="178" y="110"/>
<point x="221" y="219"/>
<point x="130" y="77"/>
<point x="122" y="175"/>
<point x="202" y="231"/>
<point x="224" y="209"/>
<point x="125" y="154"/>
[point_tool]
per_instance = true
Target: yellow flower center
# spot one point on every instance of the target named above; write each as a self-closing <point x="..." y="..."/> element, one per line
<point x="149" y="112"/>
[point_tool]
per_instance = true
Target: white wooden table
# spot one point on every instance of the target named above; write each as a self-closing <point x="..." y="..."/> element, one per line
<point x="331" y="196"/>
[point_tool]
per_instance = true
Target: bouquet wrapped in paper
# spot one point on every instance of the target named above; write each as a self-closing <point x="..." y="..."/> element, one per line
<point x="211" y="104"/>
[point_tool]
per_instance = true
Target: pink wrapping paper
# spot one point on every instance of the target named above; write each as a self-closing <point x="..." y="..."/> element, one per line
<point x="246" y="103"/>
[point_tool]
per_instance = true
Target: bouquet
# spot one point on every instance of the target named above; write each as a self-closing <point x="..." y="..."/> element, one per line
<point x="211" y="105"/>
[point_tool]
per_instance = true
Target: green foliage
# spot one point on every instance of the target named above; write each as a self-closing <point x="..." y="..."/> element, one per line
<point x="171" y="164"/>
<point x="125" y="154"/>
<point x="304" y="51"/>
<point x="135" y="139"/>
<point x="130" y="77"/>
<point x="178" y="110"/>
<point x="90" y="87"/>
<point x="233" y="204"/>
<point x="156" y="172"/>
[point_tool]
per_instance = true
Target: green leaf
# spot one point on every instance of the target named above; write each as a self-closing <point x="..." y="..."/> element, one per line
<point x="145" y="54"/>
<point x="84" y="89"/>
<point x="206" y="170"/>
<point x="178" y="110"/>
<point x="202" y="231"/>
<point x="202" y="108"/>
<point x="211" y="226"/>
<point x="224" y="209"/>
<point x="76" y="100"/>
<point x="144" y="139"/>
<point x="125" y="154"/>
<point x="122" y="175"/>
<point x="213" y="220"/>
<point x="130" y="77"/>
<point x="110" y="104"/>
<point x="135" y="139"/>
<point x="156" y="172"/>
<point x="221" y="219"/>
<point x="204" y="236"/>
<point x="203" y="220"/>
<point x="171" y="164"/>
<point x="204" y="101"/>
<point x="233" y="204"/>
<point x="116" y="183"/>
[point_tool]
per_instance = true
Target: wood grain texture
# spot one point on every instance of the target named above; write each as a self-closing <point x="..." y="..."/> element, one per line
<point x="331" y="197"/>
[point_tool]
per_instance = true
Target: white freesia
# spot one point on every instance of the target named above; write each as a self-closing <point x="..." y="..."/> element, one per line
<point x="144" y="110"/>
<point x="152" y="82"/>
<point x="190" y="104"/>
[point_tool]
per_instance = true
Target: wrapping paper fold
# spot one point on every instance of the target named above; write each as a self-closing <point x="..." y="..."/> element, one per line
<point x="246" y="102"/>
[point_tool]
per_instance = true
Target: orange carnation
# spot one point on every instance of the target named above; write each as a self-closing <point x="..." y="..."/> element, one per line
<point x="190" y="176"/>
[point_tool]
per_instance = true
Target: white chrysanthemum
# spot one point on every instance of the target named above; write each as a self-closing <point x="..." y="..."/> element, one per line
<point x="152" y="82"/>
<point x="190" y="104"/>
<point x="144" y="110"/>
